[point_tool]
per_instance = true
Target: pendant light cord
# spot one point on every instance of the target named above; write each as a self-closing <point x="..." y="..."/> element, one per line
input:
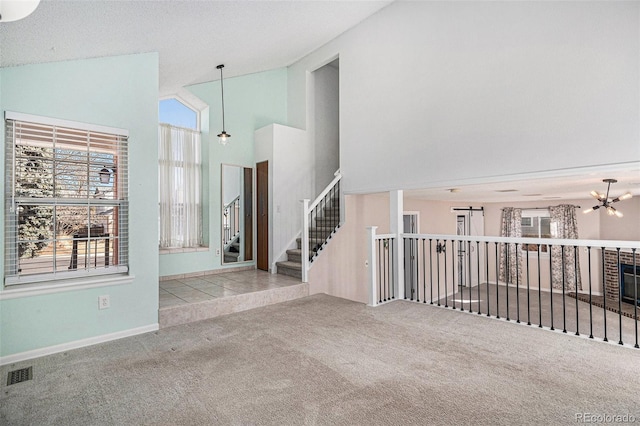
<point x="222" y="89"/>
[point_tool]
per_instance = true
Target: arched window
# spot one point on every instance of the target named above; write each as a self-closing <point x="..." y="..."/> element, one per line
<point x="174" y="112"/>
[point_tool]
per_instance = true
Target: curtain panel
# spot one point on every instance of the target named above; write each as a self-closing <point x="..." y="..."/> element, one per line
<point x="510" y="259"/>
<point x="565" y="263"/>
<point x="180" y="187"/>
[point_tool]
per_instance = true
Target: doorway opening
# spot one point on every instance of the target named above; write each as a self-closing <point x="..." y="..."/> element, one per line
<point x="410" y="225"/>
<point x="469" y="221"/>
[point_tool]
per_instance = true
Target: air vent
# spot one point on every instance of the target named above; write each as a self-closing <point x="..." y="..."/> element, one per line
<point x="17" y="376"/>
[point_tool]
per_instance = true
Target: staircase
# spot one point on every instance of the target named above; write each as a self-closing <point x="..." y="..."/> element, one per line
<point x="324" y="220"/>
<point x="232" y="251"/>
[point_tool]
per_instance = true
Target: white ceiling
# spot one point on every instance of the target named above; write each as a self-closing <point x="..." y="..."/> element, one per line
<point x="191" y="36"/>
<point x="552" y="186"/>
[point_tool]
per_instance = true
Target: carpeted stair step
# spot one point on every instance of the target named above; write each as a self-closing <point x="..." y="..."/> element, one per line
<point x="231" y="257"/>
<point x="327" y="220"/>
<point x="292" y="269"/>
<point x="294" y="255"/>
<point x="313" y="242"/>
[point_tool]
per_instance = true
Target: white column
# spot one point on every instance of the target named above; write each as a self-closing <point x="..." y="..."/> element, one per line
<point x="305" y="240"/>
<point x="373" y="262"/>
<point x="396" y="226"/>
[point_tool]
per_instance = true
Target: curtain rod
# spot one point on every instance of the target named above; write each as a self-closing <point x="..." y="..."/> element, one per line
<point x="536" y="208"/>
<point x="466" y="209"/>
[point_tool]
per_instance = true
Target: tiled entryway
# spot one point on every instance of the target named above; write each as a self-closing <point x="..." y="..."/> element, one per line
<point x="193" y="299"/>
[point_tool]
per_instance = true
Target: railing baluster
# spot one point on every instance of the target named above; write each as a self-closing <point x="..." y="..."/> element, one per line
<point x="446" y="291"/>
<point x="424" y="274"/>
<point x="438" y="251"/>
<point x="453" y="274"/>
<point x="635" y="295"/>
<point x="619" y="296"/>
<point x="416" y="248"/>
<point x="392" y="281"/>
<point x="380" y="261"/>
<point x="388" y="261"/>
<point x="430" y="272"/>
<point x="386" y="250"/>
<point x="590" y="296"/>
<point x="517" y="286"/>
<point x="604" y="299"/>
<point x="508" y="275"/>
<point x="486" y="258"/>
<point x="478" y="265"/>
<point x="564" y="310"/>
<point x="497" y="284"/>
<point x="550" y="248"/>
<point x="528" y="297"/>
<point x="539" y="290"/>
<point x="576" y="274"/>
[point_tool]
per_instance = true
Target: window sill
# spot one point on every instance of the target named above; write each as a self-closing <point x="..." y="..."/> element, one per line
<point x="49" y="287"/>
<point x="183" y="250"/>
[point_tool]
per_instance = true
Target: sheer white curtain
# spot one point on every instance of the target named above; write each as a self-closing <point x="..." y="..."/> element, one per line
<point x="180" y="191"/>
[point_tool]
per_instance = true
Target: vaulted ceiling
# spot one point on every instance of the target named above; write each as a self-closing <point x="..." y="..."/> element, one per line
<point x="192" y="37"/>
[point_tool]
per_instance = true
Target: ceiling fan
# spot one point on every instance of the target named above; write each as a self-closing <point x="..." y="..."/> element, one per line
<point x="605" y="202"/>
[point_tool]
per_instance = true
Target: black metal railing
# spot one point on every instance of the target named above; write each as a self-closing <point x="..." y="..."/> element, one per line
<point x="385" y="280"/>
<point x="573" y="285"/>
<point x="324" y="219"/>
<point x="231" y="221"/>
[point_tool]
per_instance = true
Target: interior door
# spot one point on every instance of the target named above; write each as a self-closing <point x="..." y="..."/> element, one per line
<point x="248" y="213"/>
<point x="262" y="223"/>
<point x="469" y="254"/>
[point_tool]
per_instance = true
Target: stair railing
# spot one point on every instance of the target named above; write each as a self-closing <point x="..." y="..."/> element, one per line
<point x="320" y="219"/>
<point x="231" y="221"/>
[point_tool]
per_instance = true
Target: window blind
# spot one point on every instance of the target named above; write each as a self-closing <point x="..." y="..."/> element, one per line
<point x="66" y="199"/>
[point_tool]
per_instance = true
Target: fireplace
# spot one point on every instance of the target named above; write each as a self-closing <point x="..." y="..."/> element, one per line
<point x="630" y="283"/>
<point x="619" y="275"/>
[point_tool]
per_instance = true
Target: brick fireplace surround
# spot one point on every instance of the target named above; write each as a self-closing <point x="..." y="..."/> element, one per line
<point x="612" y="270"/>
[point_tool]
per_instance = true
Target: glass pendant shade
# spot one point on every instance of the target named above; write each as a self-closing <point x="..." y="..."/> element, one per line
<point x="223" y="138"/>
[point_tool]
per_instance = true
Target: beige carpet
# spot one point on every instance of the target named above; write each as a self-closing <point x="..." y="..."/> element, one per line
<point x="323" y="360"/>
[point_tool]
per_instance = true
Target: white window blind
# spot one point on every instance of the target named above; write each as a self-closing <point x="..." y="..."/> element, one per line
<point x="66" y="199"/>
<point x="180" y="187"/>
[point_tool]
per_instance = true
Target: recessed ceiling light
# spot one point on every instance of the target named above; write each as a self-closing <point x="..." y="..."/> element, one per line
<point x="531" y="195"/>
<point x="506" y="190"/>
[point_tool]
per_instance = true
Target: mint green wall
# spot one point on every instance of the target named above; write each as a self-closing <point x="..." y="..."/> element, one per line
<point x="251" y="102"/>
<point x="118" y="92"/>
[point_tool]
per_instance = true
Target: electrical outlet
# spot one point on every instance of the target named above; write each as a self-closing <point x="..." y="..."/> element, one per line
<point x="104" y="302"/>
<point x="217" y="252"/>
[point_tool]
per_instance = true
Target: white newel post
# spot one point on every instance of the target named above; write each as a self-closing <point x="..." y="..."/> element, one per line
<point x="396" y="226"/>
<point x="305" y="240"/>
<point x="373" y="262"/>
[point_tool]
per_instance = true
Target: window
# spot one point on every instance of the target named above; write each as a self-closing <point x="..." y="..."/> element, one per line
<point x="180" y="175"/>
<point x="177" y="114"/>
<point x="536" y="224"/>
<point x="66" y="204"/>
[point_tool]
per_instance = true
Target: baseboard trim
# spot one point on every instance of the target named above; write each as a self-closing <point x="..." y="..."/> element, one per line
<point x="76" y="344"/>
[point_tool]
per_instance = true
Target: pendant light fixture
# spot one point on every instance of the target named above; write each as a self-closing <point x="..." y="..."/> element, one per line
<point x="223" y="137"/>
<point x="606" y="202"/>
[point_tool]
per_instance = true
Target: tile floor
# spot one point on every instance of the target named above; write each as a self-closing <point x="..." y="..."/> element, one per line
<point x="208" y="287"/>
